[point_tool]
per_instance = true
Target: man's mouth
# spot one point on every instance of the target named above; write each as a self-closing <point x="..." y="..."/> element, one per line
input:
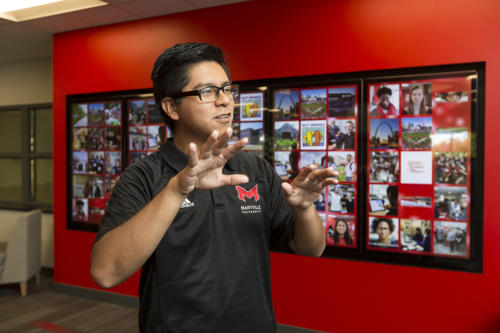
<point x="223" y="116"/>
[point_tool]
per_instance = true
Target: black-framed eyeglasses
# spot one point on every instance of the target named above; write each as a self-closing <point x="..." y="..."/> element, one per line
<point x="211" y="93"/>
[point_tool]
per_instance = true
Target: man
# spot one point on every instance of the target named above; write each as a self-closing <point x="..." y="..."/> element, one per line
<point x="384" y="108"/>
<point x="199" y="216"/>
<point x="346" y="140"/>
<point x="333" y="131"/>
<point x="350" y="168"/>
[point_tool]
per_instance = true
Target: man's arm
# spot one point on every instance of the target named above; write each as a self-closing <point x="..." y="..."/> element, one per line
<point x="309" y="233"/>
<point x="123" y="250"/>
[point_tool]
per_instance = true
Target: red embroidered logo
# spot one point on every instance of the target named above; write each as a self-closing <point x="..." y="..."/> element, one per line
<point x="242" y="193"/>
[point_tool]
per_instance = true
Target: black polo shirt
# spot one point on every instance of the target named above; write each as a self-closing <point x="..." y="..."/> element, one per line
<point x="211" y="270"/>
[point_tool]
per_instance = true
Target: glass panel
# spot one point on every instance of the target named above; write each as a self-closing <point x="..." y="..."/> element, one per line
<point x="10" y="179"/>
<point x="43" y="191"/>
<point x="10" y="131"/>
<point x="43" y="139"/>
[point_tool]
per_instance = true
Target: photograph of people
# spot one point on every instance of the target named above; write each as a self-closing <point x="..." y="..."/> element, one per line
<point x="419" y="99"/>
<point x="343" y="162"/>
<point x="384" y="200"/>
<point x="341" y="233"/>
<point x="384" y="167"/>
<point x="113" y="138"/>
<point x="137" y="138"/>
<point x="384" y="232"/>
<point x="341" y="198"/>
<point x="386" y="100"/>
<point x="113" y="113"/>
<point x="343" y="139"/>
<point x="413" y="237"/>
<point x="80" y="162"/>
<point x="451" y="203"/>
<point x="145" y="223"/>
<point x="96" y="139"/>
<point x="80" y="210"/>
<point x="96" y="162"/>
<point x="452" y="97"/>
<point x="79" y="138"/>
<point x="451" y="168"/>
<point x="137" y="112"/>
<point x="154" y="116"/>
<point x="450" y="238"/>
<point x="320" y="203"/>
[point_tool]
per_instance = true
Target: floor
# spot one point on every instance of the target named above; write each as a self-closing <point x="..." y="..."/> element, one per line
<point x="44" y="310"/>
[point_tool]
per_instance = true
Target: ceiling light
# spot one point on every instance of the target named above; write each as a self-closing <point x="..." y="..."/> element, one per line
<point x="23" y="10"/>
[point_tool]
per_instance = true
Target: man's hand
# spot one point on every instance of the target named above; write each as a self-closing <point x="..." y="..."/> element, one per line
<point x="204" y="168"/>
<point x="307" y="186"/>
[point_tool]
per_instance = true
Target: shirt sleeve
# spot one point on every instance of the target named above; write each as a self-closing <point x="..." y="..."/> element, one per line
<point x="129" y="196"/>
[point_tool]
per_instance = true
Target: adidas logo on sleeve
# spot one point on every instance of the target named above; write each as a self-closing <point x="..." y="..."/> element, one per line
<point x="187" y="203"/>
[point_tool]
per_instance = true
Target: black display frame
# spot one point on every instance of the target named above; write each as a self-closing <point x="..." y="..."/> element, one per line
<point x="474" y="263"/>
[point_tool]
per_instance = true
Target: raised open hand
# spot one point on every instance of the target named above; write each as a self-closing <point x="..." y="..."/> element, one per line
<point x="204" y="168"/>
<point x="308" y="185"/>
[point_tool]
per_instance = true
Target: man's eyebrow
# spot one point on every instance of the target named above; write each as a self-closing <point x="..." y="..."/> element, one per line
<point x="207" y="84"/>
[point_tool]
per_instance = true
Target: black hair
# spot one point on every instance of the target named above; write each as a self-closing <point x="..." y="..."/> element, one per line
<point x="347" y="236"/>
<point x="393" y="191"/>
<point x="383" y="90"/>
<point x="170" y="71"/>
<point x="376" y="222"/>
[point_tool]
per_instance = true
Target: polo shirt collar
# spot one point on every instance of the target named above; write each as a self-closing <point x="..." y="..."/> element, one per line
<point x="177" y="159"/>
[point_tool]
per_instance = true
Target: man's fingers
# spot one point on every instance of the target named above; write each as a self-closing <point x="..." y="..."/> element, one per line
<point x="234" y="148"/>
<point x="192" y="155"/>
<point x="320" y="175"/>
<point x="222" y="141"/>
<point x="304" y="173"/>
<point x="234" y="179"/>
<point x="329" y="181"/>
<point x="287" y="188"/>
<point x="206" y="149"/>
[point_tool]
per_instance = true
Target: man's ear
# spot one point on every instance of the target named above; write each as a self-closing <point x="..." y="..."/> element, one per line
<point x="170" y="108"/>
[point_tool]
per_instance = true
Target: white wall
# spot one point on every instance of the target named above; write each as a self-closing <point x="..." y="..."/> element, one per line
<point x="26" y="82"/>
<point x="29" y="82"/>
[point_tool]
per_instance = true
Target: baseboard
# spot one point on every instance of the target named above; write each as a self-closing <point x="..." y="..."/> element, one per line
<point x="281" y="328"/>
<point x="133" y="302"/>
<point x="97" y="295"/>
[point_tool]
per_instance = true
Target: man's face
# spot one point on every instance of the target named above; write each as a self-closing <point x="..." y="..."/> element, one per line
<point x="349" y="158"/>
<point x="349" y="128"/>
<point x="385" y="101"/>
<point x="197" y="119"/>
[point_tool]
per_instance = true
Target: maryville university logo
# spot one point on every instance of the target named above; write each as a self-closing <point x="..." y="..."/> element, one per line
<point x="243" y="195"/>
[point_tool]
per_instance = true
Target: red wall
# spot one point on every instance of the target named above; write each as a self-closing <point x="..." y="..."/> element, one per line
<point x="264" y="39"/>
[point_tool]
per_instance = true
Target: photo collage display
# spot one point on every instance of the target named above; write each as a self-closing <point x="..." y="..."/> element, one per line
<point x="419" y="143"/>
<point x="146" y="129"/>
<point x="318" y="126"/>
<point x="97" y="143"/>
<point x="248" y="121"/>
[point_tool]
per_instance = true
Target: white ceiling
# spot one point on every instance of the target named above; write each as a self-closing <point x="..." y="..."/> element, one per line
<point x="20" y="41"/>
